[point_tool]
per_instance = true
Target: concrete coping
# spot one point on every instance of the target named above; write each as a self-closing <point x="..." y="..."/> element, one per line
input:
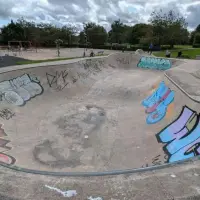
<point x="43" y="64"/>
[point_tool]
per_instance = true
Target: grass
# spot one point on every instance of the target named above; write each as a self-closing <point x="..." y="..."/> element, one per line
<point x="190" y="53"/>
<point x="178" y="47"/>
<point x="50" y="60"/>
<point x="182" y="46"/>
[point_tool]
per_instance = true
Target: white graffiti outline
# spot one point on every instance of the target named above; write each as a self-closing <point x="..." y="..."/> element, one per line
<point x="19" y="90"/>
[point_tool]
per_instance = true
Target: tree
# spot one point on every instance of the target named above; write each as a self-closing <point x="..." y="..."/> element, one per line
<point x="13" y="31"/>
<point x="82" y="38"/>
<point x="197" y="28"/>
<point x="192" y="34"/>
<point x="141" y="32"/>
<point x="197" y="38"/>
<point x="116" y="32"/>
<point x="169" y="27"/>
<point x="97" y="35"/>
<point x="86" y="27"/>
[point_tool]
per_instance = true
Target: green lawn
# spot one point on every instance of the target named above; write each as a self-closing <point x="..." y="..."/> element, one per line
<point x="187" y="53"/>
<point x="49" y="60"/>
<point x="178" y="46"/>
<point x="182" y="46"/>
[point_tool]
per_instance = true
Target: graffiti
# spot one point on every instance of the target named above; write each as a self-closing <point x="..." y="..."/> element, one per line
<point x="68" y="193"/>
<point x="157" y="103"/>
<point x="95" y="198"/>
<point x="112" y="66"/>
<point x="6" y="114"/>
<point x="156" y="160"/>
<point x="3" y="144"/>
<point x="182" y="136"/>
<point x="58" y="80"/>
<point x="19" y="90"/>
<point x="74" y="79"/>
<point x="2" y="132"/>
<point x="93" y="65"/>
<point x="146" y="165"/>
<point x="154" y="63"/>
<point x="124" y="61"/>
<point x="4" y="158"/>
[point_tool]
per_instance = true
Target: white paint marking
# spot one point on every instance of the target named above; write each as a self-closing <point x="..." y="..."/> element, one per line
<point x="97" y="198"/>
<point x="173" y="176"/>
<point x="68" y="193"/>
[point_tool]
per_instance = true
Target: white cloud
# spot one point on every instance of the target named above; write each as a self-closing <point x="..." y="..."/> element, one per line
<point x="100" y="11"/>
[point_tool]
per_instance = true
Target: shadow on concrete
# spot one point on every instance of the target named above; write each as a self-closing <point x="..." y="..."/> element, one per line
<point x="10" y="60"/>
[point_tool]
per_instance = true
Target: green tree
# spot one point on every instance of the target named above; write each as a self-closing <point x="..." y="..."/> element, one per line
<point x="169" y="28"/>
<point x="197" y="28"/>
<point x="192" y="34"/>
<point x="82" y="38"/>
<point x="116" y="32"/>
<point x="97" y="35"/>
<point x="197" y="38"/>
<point x="13" y="31"/>
<point x="86" y="27"/>
<point x="141" y="32"/>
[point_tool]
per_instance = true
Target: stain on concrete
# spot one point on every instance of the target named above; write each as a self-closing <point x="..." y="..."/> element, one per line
<point x="82" y="122"/>
<point x="47" y="155"/>
<point x="96" y="115"/>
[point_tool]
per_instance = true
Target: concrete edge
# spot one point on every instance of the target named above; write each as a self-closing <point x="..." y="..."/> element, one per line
<point x="44" y="64"/>
<point x="101" y="173"/>
<point x="179" y="87"/>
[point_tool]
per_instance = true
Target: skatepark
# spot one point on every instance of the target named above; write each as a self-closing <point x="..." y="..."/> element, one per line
<point x="91" y="115"/>
<point x="114" y="114"/>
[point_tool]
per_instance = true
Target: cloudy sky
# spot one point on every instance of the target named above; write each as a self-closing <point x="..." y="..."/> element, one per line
<point x="103" y="12"/>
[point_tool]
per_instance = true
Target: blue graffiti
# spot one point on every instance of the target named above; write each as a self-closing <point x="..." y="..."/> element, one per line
<point x="182" y="137"/>
<point x="154" y="63"/>
<point x="157" y="103"/>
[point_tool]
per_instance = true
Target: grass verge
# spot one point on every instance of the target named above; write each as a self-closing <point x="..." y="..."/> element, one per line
<point x="187" y="53"/>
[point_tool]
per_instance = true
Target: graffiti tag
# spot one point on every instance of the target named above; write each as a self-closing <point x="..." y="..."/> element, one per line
<point x="6" y="114"/>
<point x="182" y="137"/>
<point x="93" y="66"/>
<point x="19" y="90"/>
<point x="154" y="63"/>
<point x="4" y="158"/>
<point x="58" y="80"/>
<point x="157" y="103"/>
<point x="124" y="61"/>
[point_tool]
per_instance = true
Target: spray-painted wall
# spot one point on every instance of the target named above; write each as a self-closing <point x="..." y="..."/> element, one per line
<point x="182" y="136"/>
<point x="154" y="63"/>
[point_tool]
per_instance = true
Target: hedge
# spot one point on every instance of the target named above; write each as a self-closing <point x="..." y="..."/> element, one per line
<point x="196" y="45"/>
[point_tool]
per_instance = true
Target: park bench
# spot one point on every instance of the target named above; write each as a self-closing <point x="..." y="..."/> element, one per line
<point x="100" y="53"/>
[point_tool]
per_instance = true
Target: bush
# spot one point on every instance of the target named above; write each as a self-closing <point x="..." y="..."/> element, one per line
<point x="197" y="38"/>
<point x="196" y="45"/>
<point x="185" y="56"/>
<point x="66" y="45"/>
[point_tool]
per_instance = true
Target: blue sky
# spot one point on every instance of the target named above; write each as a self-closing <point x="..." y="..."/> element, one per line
<point x="4" y="21"/>
<point x="103" y="12"/>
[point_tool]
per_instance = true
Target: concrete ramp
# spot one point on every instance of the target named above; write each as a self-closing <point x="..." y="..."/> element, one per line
<point x="88" y="116"/>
